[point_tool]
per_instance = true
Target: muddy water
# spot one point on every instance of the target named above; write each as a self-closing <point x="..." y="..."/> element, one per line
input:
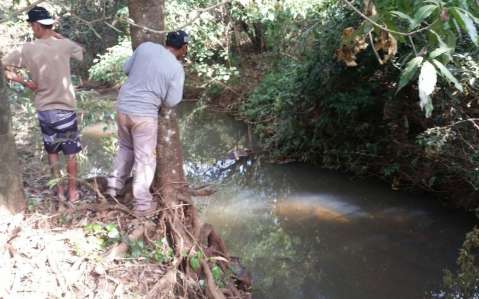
<point x="310" y="233"/>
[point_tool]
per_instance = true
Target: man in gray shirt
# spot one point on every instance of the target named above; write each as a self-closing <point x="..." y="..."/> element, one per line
<point x="155" y="78"/>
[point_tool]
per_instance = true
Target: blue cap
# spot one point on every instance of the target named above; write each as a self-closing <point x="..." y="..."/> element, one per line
<point x="177" y="39"/>
<point x="41" y="15"/>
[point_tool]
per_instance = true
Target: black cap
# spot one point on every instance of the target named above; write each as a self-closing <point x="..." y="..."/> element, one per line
<point x="177" y="39"/>
<point x="41" y="15"/>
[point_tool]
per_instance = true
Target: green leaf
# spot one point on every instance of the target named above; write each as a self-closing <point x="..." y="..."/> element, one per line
<point x="53" y="182"/>
<point x="217" y="273"/>
<point x="421" y="14"/>
<point x="441" y="41"/>
<point x="113" y="233"/>
<point x="470" y="28"/>
<point x="446" y="74"/>
<point x="465" y="23"/>
<point x="136" y="252"/>
<point x="409" y="72"/>
<point x="402" y="16"/>
<point x="195" y="262"/>
<point x="439" y="51"/>
<point x="436" y="2"/>
<point x="426" y="83"/>
<point x="473" y="17"/>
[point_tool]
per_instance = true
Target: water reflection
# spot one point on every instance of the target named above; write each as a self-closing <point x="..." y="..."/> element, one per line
<point x="307" y="233"/>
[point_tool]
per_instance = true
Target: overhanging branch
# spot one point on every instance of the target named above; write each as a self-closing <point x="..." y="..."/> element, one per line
<point x="197" y="13"/>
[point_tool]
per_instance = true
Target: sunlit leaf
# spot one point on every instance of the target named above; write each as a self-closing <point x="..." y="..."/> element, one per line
<point x="421" y="14"/>
<point x="409" y="72"/>
<point x="465" y="23"/>
<point x="426" y="83"/>
<point x="470" y="28"/>
<point x="439" y="51"/>
<point x="446" y="74"/>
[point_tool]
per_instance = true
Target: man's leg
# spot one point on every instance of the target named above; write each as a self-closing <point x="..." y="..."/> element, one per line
<point x="73" y="194"/>
<point x="144" y="133"/>
<point x="60" y="133"/>
<point x="54" y="161"/>
<point x="123" y="162"/>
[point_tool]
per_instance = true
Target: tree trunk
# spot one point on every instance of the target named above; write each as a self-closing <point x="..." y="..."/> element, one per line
<point x="178" y="219"/>
<point x="170" y="177"/>
<point x="12" y="199"/>
<point x="149" y="14"/>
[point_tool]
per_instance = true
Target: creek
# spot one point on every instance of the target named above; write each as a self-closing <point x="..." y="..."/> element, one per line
<point x="304" y="232"/>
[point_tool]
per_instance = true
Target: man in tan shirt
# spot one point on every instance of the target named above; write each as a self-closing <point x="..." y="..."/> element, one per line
<point x="47" y="59"/>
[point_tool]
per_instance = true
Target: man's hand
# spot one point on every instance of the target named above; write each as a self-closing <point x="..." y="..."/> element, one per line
<point x="31" y="85"/>
<point x="12" y="75"/>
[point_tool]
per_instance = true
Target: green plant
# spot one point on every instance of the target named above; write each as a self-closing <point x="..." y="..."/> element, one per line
<point x="159" y="251"/>
<point x="428" y="32"/>
<point x="465" y="283"/>
<point x="106" y="234"/>
<point x="195" y="261"/>
<point x="108" y="67"/>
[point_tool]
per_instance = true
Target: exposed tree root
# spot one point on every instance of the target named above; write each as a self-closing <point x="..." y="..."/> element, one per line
<point x="197" y="247"/>
<point x="183" y="228"/>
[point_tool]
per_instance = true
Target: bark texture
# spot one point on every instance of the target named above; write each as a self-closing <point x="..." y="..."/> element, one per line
<point x="146" y="13"/>
<point x="12" y="199"/>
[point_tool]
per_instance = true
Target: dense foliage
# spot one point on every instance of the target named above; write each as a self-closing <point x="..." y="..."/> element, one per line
<point x="318" y="109"/>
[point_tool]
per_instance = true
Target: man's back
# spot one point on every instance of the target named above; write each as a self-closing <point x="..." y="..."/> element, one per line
<point x="48" y="62"/>
<point x="155" y="78"/>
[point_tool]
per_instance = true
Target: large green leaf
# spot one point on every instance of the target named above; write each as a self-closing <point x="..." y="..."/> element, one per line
<point x="426" y="84"/>
<point x="446" y="74"/>
<point x="450" y="43"/>
<point x="422" y="13"/>
<point x="440" y="51"/>
<point x="410" y="70"/>
<point x="473" y="17"/>
<point x="465" y="23"/>
<point x="470" y="28"/>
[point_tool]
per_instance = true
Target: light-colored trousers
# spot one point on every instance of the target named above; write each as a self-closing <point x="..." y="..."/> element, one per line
<point x="137" y="151"/>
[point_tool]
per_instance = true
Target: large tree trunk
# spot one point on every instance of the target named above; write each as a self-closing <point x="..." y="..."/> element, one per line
<point x="179" y="220"/>
<point x="149" y="14"/>
<point x="12" y="199"/>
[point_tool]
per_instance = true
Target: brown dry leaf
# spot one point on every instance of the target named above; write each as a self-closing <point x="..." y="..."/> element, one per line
<point x="360" y="43"/>
<point x="369" y="8"/>
<point x="346" y="55"/>
<point x="387" y="44"/>
<point x="350" y="46"/>
<point x="347" y="33"/>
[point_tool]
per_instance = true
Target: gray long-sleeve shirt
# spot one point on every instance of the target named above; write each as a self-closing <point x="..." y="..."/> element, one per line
<point x="155" y="78"/>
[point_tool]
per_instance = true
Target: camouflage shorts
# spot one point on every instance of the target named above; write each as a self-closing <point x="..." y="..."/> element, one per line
<point x="60" y="131"/>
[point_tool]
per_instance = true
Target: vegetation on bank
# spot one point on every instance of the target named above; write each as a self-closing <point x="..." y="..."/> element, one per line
<point x="319" y="110"/>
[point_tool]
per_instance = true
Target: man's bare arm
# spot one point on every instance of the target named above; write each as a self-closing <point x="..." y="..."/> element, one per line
<point x="12" y="75"/>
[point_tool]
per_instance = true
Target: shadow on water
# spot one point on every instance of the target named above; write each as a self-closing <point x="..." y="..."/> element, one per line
<point x="310" y="233"/>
